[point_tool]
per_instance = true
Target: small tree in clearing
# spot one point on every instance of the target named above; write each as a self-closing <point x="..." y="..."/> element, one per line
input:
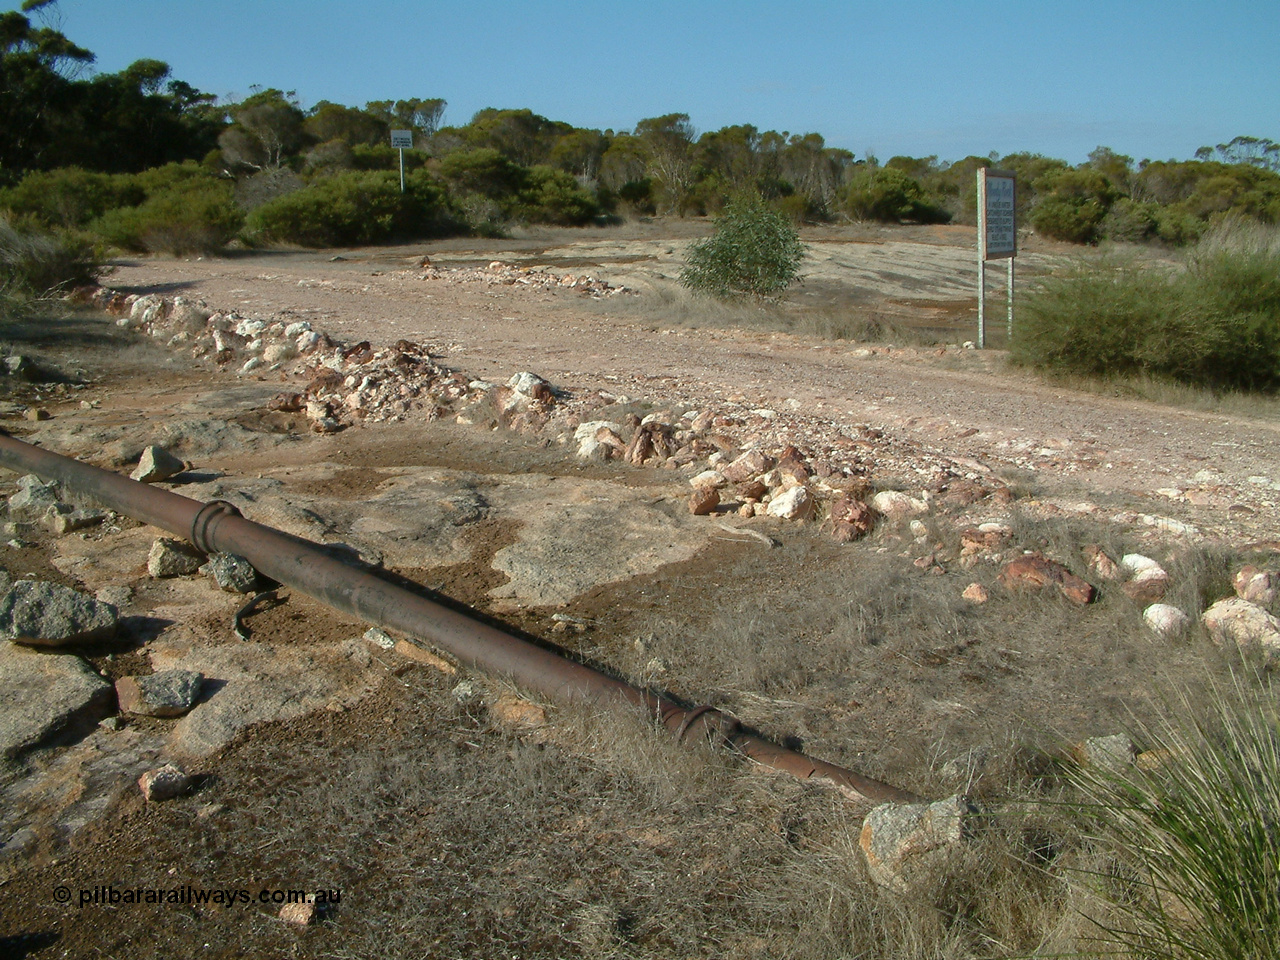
<point x="755" y="251"/>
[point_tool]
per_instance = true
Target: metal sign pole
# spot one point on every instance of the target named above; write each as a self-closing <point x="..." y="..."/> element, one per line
<point x="982" y="257"/>
<point x="402" y="169"/>
<point x="1010" y="296"/>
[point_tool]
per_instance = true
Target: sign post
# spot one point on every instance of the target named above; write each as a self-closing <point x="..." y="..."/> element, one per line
<point x="402" y="140"/>
<point x="997" y="237"/>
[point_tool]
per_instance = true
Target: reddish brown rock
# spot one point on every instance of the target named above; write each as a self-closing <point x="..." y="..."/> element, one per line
<point x="513" y="711"/>
<point x="703" y="501"/>
<point x="748" y="466"/>
<point x="1100" y="564"/>
<point x="1034" y="571"/>
<point x="414" y="652"/>
<point x="850" y="520"/>
<point x="639" y="449"/>
<point x="607" y="437"/>
<point x="325" y="379"/>
<point x="1147" y="587"/>
<point x="300" y="914"/>
<point x="286" y="402"/>
<point x="796" y="469"/>
<point x="361" y="352"/>
<point x="962" y="493"/>
<point x="973" y="540"/>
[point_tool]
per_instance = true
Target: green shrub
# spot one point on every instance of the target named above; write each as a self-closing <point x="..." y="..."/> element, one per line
<point x="1195" y="839"/>
<point x="1131" y="222"/>
<point x="890" y="196"/>
<point x="353" y="208"/>
<point x="195" y="215"/>
<point x="639" y="196"/>
<point x="1073" y="219"/>
<point x="553" y="196"/>
<point x="484" y="171"/>
<point x="754" y="251"/>
<point x="1215" y="324"/>
<point x="1178" y="228"/>
<point x="37" y="262"/>
<point x="70" y="197"/>
<point x="799" y="208"/>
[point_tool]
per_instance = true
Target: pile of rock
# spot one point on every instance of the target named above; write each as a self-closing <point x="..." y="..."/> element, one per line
<point x="340" y="383"/>
<point x="537" y="278"/>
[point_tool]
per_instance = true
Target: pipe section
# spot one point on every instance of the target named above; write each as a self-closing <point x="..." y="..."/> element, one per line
<point x="218" y="527"/>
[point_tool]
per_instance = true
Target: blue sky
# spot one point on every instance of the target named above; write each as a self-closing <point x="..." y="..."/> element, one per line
<point x="1149" y="79"/>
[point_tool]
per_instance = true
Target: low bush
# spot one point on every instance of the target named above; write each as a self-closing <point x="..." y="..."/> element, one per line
<point x="553" y="196"/>
<point x="36" y="262"/>
<point x="755" y="251"/>
<point x="1073" y="219"/>
<point x="195" y="215"/>
<point x="70" y="197"/>
<point x="354" y="208"/>
<point x="891" y="196"/>
<point x="1195" y="839"/>
<point x="1215" y="323"/>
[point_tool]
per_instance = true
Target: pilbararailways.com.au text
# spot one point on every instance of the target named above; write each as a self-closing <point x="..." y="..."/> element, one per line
<point x="109" y="895"/>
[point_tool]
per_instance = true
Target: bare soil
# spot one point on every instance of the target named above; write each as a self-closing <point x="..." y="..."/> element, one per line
<point x="452" y="832"/>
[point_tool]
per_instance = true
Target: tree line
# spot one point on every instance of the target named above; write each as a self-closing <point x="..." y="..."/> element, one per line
<point x="144" y="161"/>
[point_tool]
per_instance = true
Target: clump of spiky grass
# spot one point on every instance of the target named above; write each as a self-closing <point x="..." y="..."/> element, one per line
<point x="38" y="263"/>
<point x="1195" y="837"/>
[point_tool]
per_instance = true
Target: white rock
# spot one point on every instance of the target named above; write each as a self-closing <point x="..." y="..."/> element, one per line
<point x="1166" y="621"/>
<point x="141" y="306"/>
<point x="708" y="478"/>
<point x="156" y="464"/>
<point x="795" y="503"/>
<point x="894" y="503"/>
<point x="1245" y="624"/>
<point x="585" y="436"/>
<point x="296" y="329"/>
<point x="895" y="836"/>
<point x="527" y="383"/>
<point x="307" y="341"/>
<point x="277" y="352"/>
<point x="1135" y="563"/>
<point x="1114" y="752"/>
<point x="1257" y="586"/>
<point x="251" y="328"/>
<point x="1169" y="525"/>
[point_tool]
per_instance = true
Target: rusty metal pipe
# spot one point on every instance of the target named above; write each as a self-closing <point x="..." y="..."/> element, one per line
<point x="218" y="527"/>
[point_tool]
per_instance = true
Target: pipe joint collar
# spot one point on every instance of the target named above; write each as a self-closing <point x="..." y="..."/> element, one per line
<point x="710" y="723"/>
<point x="202" y="525"/>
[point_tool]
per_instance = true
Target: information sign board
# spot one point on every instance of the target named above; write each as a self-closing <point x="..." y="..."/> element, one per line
<point x="999" y="230"/>
<point x="402" y="139"/>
